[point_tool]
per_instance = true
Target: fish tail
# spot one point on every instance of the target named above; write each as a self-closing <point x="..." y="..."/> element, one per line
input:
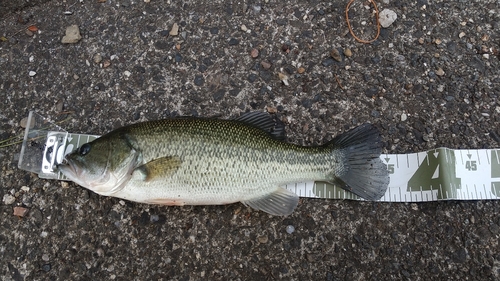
<point x="361" y="171"/>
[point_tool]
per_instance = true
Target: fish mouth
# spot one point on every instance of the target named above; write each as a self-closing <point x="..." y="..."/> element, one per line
<point x="70" y="170"/>
<point x="77" y="173"/>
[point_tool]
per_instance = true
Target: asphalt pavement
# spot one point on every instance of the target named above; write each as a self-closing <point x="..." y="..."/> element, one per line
<point x="430" y="79"/>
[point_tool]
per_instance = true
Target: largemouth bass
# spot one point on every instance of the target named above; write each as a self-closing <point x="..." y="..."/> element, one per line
<point x="203" y="161"/>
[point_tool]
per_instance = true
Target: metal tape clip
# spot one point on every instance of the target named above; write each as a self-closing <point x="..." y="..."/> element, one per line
<point x="54" y="152"/>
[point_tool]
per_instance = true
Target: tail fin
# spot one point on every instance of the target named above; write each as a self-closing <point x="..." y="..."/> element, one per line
<point x="363" y="173"/>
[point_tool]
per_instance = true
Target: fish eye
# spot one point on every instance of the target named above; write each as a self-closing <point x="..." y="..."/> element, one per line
<point x="84" y="149"/>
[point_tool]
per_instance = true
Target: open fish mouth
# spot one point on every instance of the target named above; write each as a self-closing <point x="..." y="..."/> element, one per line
<point x="69" y="169"/>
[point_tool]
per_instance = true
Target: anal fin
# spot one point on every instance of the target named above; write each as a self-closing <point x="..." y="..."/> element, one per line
<point x="160" y="167"/>
<point x="281" y="202"/>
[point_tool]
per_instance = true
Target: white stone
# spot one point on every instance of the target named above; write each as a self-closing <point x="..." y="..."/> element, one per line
<point x="72" y="35"/>
<point x="175" y="30"/>
<point x="404" y="117"/>
<point x="387" y="17"/>
<point x="32" y="73"/>
<point x="8" y="199"/>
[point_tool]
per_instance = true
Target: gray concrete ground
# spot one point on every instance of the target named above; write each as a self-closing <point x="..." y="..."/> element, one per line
<point x="431" y="79"/>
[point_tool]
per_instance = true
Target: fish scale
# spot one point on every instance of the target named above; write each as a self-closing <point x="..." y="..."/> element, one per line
<point x="198" y="161"/>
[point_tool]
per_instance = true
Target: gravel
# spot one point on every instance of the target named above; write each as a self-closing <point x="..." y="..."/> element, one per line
<point x="420" y="92"/>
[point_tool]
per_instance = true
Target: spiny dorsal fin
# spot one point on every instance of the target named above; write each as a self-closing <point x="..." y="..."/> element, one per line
<point x="161" y="167"/>
<point x="265" y="122"/>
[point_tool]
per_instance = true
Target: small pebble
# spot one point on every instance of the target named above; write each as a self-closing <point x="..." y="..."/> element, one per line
<point x="404" y="117"/>
<point x="64" y="184"/>
<point x="348" y="52"/>
<point x="175" y="30"/>
<point x="271" y="110"/>
<point x="199" y="80"/>
<point x="106" y="63"/>
<point x="439" y="72"/>
<point x="72" y="35"/>
<point x="335" y="55"/>
<point x="32" y="73"/>
<point x="46" y="267"/>
<point x="59" y="105"/>
<point x="265" y="64"/>
<point x="25" y="188"/>
<point x="29" y="33"/>
<point x="24" y="123"/>
<point x="461" y="34"/>
<point x="97" y="58"/>
<point x="290" y="229"/>
<point x="8" y="199"/>
<point x="263" y="239"/>
<point x="244" y="28"/>
<point x="283" y="78"/>
<point x="233" y="41"/>
<point x="301" y="70"/>
<point x="254" y="53"/>
<point x="387" y="17"/>
<point x="45" y="257"/>
<point x="154" y="218"/>
<point x="127" y="73"/>
<point x="20" y="211"/>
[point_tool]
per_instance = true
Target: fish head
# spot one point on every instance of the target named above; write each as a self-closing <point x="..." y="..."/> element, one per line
<point x="103" y="165"/>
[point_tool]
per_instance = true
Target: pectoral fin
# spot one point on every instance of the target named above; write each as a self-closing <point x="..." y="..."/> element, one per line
<point x="281" y="202"/>
<point x="161" y="167"/>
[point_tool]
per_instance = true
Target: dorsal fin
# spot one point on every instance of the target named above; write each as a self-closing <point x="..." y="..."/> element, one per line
<point x="265" y="122"/>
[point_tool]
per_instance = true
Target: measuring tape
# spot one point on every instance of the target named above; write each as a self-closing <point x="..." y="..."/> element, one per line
<point x="439" y="174"/>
